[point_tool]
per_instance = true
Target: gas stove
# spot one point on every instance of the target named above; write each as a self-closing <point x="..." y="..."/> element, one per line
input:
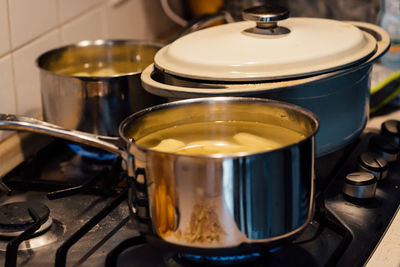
<point x="66" y="209"/>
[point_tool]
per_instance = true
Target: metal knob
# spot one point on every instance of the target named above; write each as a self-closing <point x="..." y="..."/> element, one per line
<point x="374" y="163"/>
<point x="360" y="185"/>
<point x="391" y="129"/>
<point x="266" y="18"/>
<point x="384" y="146"/>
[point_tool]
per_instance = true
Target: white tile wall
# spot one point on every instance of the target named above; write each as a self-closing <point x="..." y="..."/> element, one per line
<point x="31" y="27"/>
<point x="4" y="38"/>
<point x="29" y="19"/>
<point x="7" y="95"/>
<point x="87" y="27"/>
<point x="123" y="15"/>
<point x="137" y="19"/>
<point x="27" y="74"/>
<point x="69" y="9"/>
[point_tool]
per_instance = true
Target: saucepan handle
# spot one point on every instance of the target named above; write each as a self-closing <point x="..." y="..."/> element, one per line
<point x="138" y="200"/>
<point x="19" y="123"/>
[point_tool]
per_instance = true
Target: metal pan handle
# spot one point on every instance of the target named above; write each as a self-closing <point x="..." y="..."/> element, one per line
<point x="19" y="123"/>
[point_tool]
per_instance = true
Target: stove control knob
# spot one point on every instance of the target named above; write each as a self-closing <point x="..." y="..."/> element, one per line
<point x="384" y="146"/>
<point x="360" y="185"/>
<point x="374" y="163"/>
<point x="391" y="128"/>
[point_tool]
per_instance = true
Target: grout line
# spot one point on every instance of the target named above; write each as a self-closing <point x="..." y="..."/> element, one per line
<point x="34" y="39"/>
<point x="9" y="24"/>
<point x="83" y="12"/>
<point x="58" y="26"/>
<point x="12" y="50"/>
<point x="14" y="80"/>
<point x="4" y="55"/>
<point x="14" y="84"/>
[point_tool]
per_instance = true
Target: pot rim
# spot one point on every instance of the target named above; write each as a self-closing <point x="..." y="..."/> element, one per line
<point x="307" y="113"/>
<point x="42" y="58"/>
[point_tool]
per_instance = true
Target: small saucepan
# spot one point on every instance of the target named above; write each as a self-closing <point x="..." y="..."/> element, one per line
<point x="92" y="86"/>
<point x="191" y="189"/>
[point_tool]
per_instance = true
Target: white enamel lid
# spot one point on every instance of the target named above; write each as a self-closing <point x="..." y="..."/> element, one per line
<point x="231" y="52"/>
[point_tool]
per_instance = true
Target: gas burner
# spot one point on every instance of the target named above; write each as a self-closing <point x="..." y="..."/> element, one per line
<point x="272" y="257"/>
<point x="92" y="153"/>
<point x="192" y="259"/>
<point x="15" y="219"/>
<point x="139" y="251"/>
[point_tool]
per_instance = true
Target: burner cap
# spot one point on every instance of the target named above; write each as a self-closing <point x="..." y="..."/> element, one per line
<point x="15" y="216"/>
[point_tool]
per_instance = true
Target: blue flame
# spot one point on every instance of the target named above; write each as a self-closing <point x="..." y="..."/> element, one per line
<point x="273" y="250"/>
<point x="227" y="260"/>
<point x="91" y="154"/>
<point x="223" y="260"/>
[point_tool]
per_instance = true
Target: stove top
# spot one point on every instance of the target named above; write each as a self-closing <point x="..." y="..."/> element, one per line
<point x="75" y="213"/>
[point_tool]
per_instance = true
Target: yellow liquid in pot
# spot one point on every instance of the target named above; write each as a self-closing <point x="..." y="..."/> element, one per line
<point x="222" y="137"/>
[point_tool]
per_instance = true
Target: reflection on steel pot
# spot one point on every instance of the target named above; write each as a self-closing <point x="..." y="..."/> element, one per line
<point x="320" y="64"/>
<point x="93" y="85"/>
<point x="212" y="201"/>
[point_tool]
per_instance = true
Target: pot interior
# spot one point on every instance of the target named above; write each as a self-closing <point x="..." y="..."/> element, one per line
<point x="221" y="109"/>
<point x="99" y="58"/>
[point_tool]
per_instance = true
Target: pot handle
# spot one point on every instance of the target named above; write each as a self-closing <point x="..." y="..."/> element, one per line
<point x="138" y="200"/>
<point x="381" y="36"/>
<point x="111" y="144"/>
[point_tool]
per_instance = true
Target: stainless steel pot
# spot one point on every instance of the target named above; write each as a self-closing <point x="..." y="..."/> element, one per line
<point x="95" y="104"/>
<point x="338" y="93"/>
<point x="247" y="198"/>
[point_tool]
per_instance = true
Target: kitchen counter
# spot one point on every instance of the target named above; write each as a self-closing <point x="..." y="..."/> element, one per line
<point x="387" y="253"/>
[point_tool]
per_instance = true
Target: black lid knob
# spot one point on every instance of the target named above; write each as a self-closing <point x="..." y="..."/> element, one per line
<point x="266" y="13"/>
<point x="266" y="18"/>
<point x="374" y="163"/>
<point x="384" y="146"/>
<point x="391" y="129"/>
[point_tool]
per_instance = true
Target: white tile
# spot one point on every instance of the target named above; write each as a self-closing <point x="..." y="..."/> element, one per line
<point x="7" y="94"/>
<point x="86" y="27"/>
<point x="137" y="19"/>
<point x="29" y="19"/>
<point x="27" y="74"/>
<point x="129" y="20"/>
<point x="126" y="21"/>
<point x="4" y="37"/>
<point x="71" y="8"/>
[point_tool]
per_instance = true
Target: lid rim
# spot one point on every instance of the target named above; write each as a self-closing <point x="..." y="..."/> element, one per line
<point x="221" y="69"/>
<point x="261" y="78"/>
